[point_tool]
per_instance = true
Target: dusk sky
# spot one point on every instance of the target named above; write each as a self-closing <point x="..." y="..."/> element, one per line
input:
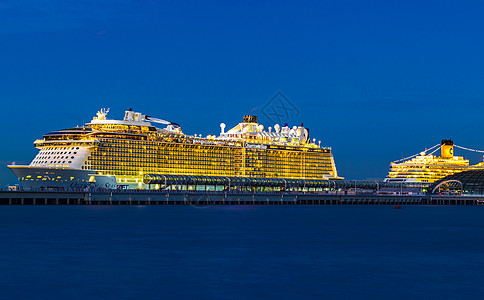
<point x="375" y="80"/>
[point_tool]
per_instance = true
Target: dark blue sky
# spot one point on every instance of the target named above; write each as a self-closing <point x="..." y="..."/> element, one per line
<point x="375" y="80"/>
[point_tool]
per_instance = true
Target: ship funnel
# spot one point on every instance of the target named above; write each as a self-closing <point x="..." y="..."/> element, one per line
<point x="250" y="119"/>
<point x="447" y="149"/>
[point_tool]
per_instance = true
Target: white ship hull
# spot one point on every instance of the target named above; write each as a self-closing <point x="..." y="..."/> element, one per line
<point x="44" y="177"/>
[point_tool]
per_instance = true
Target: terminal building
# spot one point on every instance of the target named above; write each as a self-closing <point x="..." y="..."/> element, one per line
<point x="464" y="183"/>
<point x="169" y="182"/>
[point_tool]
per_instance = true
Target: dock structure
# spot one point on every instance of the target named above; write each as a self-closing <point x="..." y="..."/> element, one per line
<point x="142" y="197"/>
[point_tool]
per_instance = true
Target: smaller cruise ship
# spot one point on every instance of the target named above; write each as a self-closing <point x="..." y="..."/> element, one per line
<point x="426" y="168"/>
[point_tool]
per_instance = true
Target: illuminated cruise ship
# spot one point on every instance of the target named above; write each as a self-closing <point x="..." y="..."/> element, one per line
<point x="118" y="153"/>
<point x="427" y="168"/>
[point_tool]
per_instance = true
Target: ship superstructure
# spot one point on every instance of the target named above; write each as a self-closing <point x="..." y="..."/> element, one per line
<point x="114" y="153"/>
<point x="426" y="168"/>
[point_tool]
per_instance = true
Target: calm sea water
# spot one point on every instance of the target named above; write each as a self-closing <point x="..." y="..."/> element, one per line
<point x="245" y="252"/>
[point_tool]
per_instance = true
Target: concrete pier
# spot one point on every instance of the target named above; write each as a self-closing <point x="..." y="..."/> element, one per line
<point x="134" y="197"/>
